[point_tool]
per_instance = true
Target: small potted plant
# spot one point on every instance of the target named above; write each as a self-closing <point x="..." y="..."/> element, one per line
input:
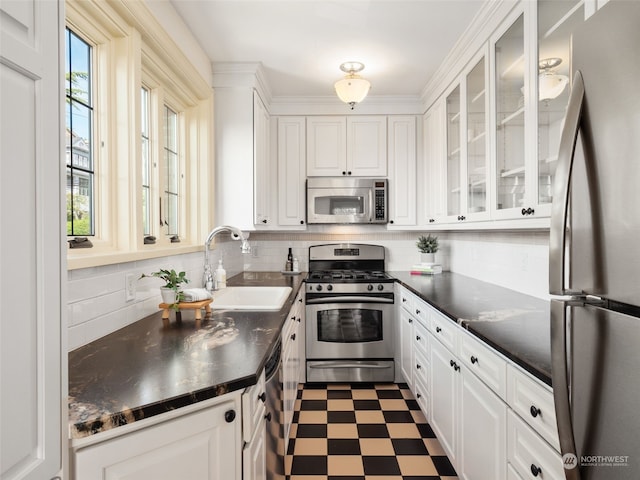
<point x="428" y="246"/>
<point x="171" y="292"/>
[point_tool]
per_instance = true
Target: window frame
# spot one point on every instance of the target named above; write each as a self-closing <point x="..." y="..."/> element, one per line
<point x="132" y="51"/>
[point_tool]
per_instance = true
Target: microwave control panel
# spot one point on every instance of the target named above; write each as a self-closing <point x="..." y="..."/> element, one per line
<point x="380" y="201"/>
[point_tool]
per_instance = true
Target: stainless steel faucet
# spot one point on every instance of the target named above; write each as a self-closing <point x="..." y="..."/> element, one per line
<point x="236" y="234"/>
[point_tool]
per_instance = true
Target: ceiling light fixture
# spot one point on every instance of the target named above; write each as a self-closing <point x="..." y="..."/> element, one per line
<point x="352" y="88"/>
<point x="550" y="84"/>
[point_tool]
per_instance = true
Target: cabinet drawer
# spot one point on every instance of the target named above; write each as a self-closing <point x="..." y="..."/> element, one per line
<point x="485" y="363"/>
<point x="421" y="368"/>
<point x="534" y="403"/>
<point x="421" y="339"/>
<point x="529" y="454"/>
<point x="445" y="330"/>
<point x="422" y="396"/>
<point x="407" y="300"/>
<point x="253" y="408"/>
<point x="421" y="311"/>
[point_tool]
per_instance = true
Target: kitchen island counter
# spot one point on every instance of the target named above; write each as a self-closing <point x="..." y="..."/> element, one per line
<point x="148" y="368"/>
<point x="515" y="324"/>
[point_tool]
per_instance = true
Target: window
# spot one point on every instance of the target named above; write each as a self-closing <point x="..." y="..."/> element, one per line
<point x="172" y="174"/>
<point x="139" y="137"/>
<point x="79" y="138"/>
<point x="146" y="161"/>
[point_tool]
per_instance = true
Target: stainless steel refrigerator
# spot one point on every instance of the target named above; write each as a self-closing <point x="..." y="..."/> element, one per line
<point x="594" y="269"/>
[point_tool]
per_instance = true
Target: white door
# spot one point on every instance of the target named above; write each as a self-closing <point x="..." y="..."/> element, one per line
<point x="326" y="146"/>
<point x="291" y="171"/>
<point x="367" y="146"/>
<point x="406" y="347"/>
<point x="402" y="170"/>
<point x="483" y="436"/>
<point x="31" y="239"/>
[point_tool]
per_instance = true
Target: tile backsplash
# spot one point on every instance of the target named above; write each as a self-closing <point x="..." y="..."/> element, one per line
<point x="96" y="296"/>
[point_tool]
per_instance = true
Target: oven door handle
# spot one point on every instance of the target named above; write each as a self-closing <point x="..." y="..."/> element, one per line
<point x="349" y="299"/>
<point x="349" y="365"/>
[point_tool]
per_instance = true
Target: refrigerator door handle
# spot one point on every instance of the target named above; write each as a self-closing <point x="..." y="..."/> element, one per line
<point x="562" y="182"/>
<point x="560" y="381"/>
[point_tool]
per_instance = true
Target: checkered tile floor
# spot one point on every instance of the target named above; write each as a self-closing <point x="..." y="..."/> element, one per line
<point x="362" y="432"/>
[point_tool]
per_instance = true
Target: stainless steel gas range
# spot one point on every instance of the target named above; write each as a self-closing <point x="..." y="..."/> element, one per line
<point x="349" y="314"/>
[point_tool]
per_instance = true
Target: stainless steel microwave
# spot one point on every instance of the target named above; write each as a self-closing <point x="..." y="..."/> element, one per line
<point x="346" y="200"/>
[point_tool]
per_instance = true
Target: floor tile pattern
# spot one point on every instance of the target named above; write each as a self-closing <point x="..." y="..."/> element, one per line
<point x="362" y="431"/>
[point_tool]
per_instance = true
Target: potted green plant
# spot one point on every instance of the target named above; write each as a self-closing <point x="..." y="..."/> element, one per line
<point x="171" y="292"/>
<point x="428" y="246"/>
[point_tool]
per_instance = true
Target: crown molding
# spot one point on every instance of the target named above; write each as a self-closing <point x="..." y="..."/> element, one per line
<point x="488" y="18"/>
<point x="331" y="105"/>
<point x="242" y="74"/>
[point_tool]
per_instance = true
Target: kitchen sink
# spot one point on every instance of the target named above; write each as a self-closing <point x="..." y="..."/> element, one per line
<point x="250" y="298"/>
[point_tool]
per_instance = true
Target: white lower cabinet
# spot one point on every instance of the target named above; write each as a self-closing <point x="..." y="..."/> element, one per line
<point x="493" y="419"/>
<point x="483" y="422"/>
<point x="445" y="398"/>
<point x="203" y="445"/>
<point x="292" y="362"/>
<point x="254" y="432"/>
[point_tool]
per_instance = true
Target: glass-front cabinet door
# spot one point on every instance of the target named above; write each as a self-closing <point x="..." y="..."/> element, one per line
<point x="453" y="153"/>
<point x="476" y="101"/>
<point x="510" y="68"/>
<point x="556" y="23"/>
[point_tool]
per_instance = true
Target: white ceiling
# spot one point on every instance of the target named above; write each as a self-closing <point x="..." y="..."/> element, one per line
<point x="301" y="43"/>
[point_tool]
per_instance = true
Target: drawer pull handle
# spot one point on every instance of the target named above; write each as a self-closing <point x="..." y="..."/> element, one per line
<point x="262" y="397"/>
<point x="418" y="337"/>
<point x="417" y="312"/>
<point x="474" y="360"/>
<point x="418" y="395"/>
<point x="535" y="411"/>
<point x="535" y="470"/>
<point x="268" y="417"/>
<point x="438" y="329"/>
<point x="404" y="299"/>
<point x="229" y="416"/>
<point x="410" y="320"/>
<point x="418" y="367"/>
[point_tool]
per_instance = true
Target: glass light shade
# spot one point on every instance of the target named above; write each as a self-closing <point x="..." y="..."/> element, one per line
<point x="550" y="85"/>
<point x="352" y="89"/>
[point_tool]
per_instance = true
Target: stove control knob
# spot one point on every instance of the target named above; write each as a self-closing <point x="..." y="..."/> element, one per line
<point x="380" y="287"/>
<point x="319" y="288"/>
<point x="329" y="287"/>
<point x="369" y="287"/>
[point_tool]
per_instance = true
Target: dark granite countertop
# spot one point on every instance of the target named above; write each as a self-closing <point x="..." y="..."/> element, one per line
<point x="147" y="368"/>
<point x="515" y="324"/>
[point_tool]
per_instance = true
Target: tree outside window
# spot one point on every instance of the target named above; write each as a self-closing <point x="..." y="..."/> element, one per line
<point x="79" y="151"/>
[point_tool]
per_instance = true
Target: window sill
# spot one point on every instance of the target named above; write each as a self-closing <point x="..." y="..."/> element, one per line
<point x="87" y="258"/>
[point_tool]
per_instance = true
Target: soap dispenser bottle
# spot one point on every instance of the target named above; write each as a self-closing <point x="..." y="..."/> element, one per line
<point x="221" y="276"/>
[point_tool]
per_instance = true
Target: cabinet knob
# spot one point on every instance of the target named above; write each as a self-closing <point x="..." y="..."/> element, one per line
<point x="349" y="172"/>
<point x="417" y="312"/>
<point x="431" y="220"/>
<point x="456" y="367"/>
<point x="438" y="329"/>
<point x="299" y="319"/>
<point x="452" y="363"/>
<point x="535" y="411"/>
<point x="391" y="221"/>
<point x="418" y="395"/>
<point x="418" y="337"/>
<point x="264" y="221"/>
<point x="301" y="222"/>
<point x="344" y="173"/>
<point x="268" y="417"/>
<point x="404" y="299"/>
<point x="411" y="320"/>
<point x="461" y="217"/>
<point x="527" y="211"/>
<point x="418" y="366"/>
<point x="474" y="360"/>
<point x="230" y="416"/>
<point x="293" y="337"/>
<point x="535" y="470"/>
<point x="262" y="397"/>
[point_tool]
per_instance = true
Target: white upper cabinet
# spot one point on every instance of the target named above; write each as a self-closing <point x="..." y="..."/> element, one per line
<point x="430" y="171"/>
<point x="263" y="182"/>
<point x="402" y="170"/>
<point x="291" y="171"/>
<point x="338" y="145"/>
<point x="367" y="146"/>
<point x="511" y="118"/>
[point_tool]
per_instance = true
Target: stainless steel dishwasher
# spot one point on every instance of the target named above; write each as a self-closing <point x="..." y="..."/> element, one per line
<point x="274" y="405"/>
